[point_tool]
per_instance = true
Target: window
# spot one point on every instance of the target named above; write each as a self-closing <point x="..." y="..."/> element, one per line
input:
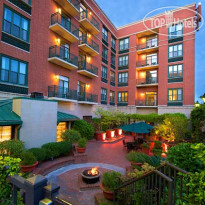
<point x="104" y="53"/>
<point x="151" y="42"/>
<point x="13" y="71"/>
<point x="175" y="31"/>
<point x="112" y="59"/>
<point x="175" y="94"/>
<point x="16" y="25"/>
<point x="113" y="43"/>
<point x="123" y="61"/>
<point x="63" y="88"/>
<point x="112" y="96"/>
<point x="103" y="94"/>
<point x="124" y="44"/>
<point x="151" y="59"/>
<point x="112" y="76"/>
<point x="61" y="127"/>
<point x="123" y="96"/>
<point x="105" y="33"/>
<point x="175" y="51"/>
<point x="5" y="133"/>
<point x="175" y="71"/>
<point x="123" y="77"/>
<point x="104" y="72"/>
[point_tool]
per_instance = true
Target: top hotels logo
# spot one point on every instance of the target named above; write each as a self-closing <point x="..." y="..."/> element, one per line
<point x="186" y="18"/>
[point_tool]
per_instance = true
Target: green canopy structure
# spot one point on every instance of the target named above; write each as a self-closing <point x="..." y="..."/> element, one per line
<point x="65" y="117"/>
<point x="139" y="127"/>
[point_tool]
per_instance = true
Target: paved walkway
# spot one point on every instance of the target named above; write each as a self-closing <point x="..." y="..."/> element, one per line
<point x="105" y="156"/>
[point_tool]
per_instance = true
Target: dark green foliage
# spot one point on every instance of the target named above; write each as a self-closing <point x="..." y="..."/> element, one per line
<point x="110" y="180"/>
<point x="85" y="129"/>
<point x="82" y="142"/>
<point x="146" y="145"/>
<point x="71" y="135"/>
<point x="184" y="156"/>
<point x="13" y="148"/>
<point x="56" y="149"/>
<point x="198" y="121"/>
<point x="39" y="153"/>
<point x="5" y="186"/>
<point x="28" y="158"/>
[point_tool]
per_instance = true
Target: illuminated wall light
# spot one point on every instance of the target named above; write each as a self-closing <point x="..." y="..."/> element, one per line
<point x="87" y="86"/>
<point x="143" y="57"/>
<point x="58" y="10"/>
<point x="88" y="59"/>
<point x="57" y="77"/>
<point x="90" y="13"/>
<point x="58" y="41"/>
<point x="142" y="74"/>
<point x="89" y="35"/>
<point x="143" y="40"/>
<point x="142" y="94"/>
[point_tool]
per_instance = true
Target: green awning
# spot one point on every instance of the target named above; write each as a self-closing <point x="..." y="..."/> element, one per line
<point x="7" y="116"/>
<point x="140" y="127"/>
<point x="64" y="117"/>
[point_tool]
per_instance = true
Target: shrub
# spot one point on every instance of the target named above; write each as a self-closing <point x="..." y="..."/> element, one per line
<point x="28" y="158"/>
<point x="158" y="145"/>
<point x="5" y="186"/>
<point x="110" y="180"/>
<point x="39" y="153"/>
<point x="85" y="129"/>
<point x="71" y="135"/>
<point x="56" y="149"/>
<point x="146" y="145"/>
<point x="82" y="142"/>
<point x="13" y="148"/>
<point x="185" y="157"/>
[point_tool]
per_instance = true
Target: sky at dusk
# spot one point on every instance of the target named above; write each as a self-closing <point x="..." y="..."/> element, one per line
<point x="123" y="12"/>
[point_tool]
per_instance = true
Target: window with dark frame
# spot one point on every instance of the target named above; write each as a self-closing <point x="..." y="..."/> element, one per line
<point x="123" y="96"/>
<point x="176" y="51"/>
<point x="104" y="72"/>
<point x="123" y="60"/>
<point x="112" y="96"/>
<point x="105" y="34"/>
<point x="105" y="53"/>
<point x="113" y="43"/>
<point x="103" y="94"/>
<point x="175" y="31"/>
<point x="175" y="95"/>
<point x="124" y="44"/>
<point x="175" y="71"/>
<point x="123" y="77"/>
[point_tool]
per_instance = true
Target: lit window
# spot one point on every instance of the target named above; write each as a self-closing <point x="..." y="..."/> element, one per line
<point x="5" y="133"/>
<point x="175" y="94"/>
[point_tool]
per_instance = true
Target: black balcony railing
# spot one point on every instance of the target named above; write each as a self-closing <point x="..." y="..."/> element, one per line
<point x="85" y="15"/>
<point x="75" y="3"/>
<point x="83" y="65"/>
<point x="63" y="53"/>
<point x="60" y="19"/>
<point x="61" y="92"/>
<point x="147" y="81"/>
<point x="150" y="61"/>
<point x="84" y="40"/>
<point x="146" y="103"/>
<point x="149" y="44"/>
<point x="88" y="97"/>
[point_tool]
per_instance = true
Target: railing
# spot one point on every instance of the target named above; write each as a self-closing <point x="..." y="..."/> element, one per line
<point x="61" y="92"/>
<point x="146" y="103"/>
<point x="84" y="40"/>
<point x="150" y="61"/>
<point x="58" y="18"/>
<point x="88" y="97"/>
<point x="63" y="53"/>
<point x="84" y="14"/>
<point x="75" y="3"/>
<point x="166" y="185"/>
<point x="83" y="65"/>
<point x="148" y="44"/>
<point x="147" y="81"/>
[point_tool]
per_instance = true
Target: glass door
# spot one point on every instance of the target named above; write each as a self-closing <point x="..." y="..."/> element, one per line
<point x="65" y="51"/>
<point x="152" y="59"/>
<point x="66" y="22"/>
<point x="63" y="87"/>
<point x="81" y="90"/>
<point x="82" y="61"/>
<point x="151" y="99"/>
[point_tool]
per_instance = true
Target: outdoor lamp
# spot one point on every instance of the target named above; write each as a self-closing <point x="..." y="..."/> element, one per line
<point x="203" y="98"/>
<point x="197" y="104"/>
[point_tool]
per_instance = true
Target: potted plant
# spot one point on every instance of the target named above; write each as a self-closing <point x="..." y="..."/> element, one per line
<point x="110" y="181"/>
<point x="100" y="135"/>
<point x="136" y="158"/>
<point x="157" y="150"/>
<point x="146" y="148"/>
<point x="29" y="162"/>
<point x="81" y="146"/>
<point x="110" y="133"/>
<point x="118" y="132"/>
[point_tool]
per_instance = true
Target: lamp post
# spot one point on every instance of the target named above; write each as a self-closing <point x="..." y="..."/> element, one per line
<point x="203" y="98"/>
<point x="197" y="104"/>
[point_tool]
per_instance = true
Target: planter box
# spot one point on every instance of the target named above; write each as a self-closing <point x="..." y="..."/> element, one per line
<point x="107" y="194"/>
<point x="118" y="132"/>
<point x="100" y="136"/>
<point x="80" y="149"/>
<point x="26" y="168"/>
<point x="110" y="133"/>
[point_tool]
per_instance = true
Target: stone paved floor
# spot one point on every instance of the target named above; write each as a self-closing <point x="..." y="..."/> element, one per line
<point x="111" y="154"/>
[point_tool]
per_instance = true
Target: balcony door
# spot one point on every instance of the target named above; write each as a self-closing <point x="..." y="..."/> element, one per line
<point x="152" y="59"/>
<point x="151" y="99"/>
<point x="63" y="87"/>
<point x="66" y="22"/>
<point x="65" y="51"/>
<point x="82" y="61"/>
<point x="151" y="77"/>
<point x="151" y="42"/>
<point x="81" y="90"/>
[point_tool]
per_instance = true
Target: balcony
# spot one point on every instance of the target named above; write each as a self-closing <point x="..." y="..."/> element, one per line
<point x="88" y="45"/>
<point x="153" y="81"/>
<point x="87" y="69"/>
<point x="62" y="94"/>
<point x="147" y="47"/>
<point x="89" y="22"/>
<point x="64" y="28"/>
<point x="146" y="103"/>
<point x="61" y="56"/>
<point x="70" y="6"/>
<point x="151" y="62"/>
<point x="87" y="98"/>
